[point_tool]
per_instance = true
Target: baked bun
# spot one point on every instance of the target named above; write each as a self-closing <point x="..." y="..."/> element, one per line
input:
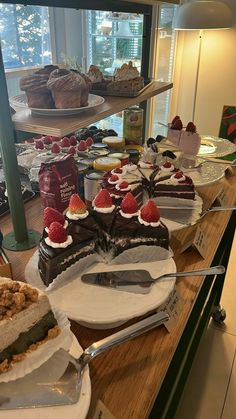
<point x="37" y="93"/>
<point x="69" y="88"/>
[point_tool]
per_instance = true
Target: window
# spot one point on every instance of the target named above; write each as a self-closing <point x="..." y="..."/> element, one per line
<point x="114" y="38"/>
<point x="164" y="67"/>
<point x="25" y="35"/>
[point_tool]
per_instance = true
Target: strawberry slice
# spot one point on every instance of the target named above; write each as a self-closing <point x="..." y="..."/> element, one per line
<point x="175" y="119"/>
<point x="76" y="205"/>
<point x="65" y="142"/>
<point x="191" y="127"/>
<point x="114" y="178"/>
<point x="103" y="199"/>
<point x="56" y="233"/>
<point x="123" y="185"/>
<point x="178" y="175"/>
<point x="118" y="170"/>
<point x="89" y="141"/>
<point x="39" y="145"/>
<point x="71" y="151"/>
<point x="167" y="164"/>
<point x="177" y="125"/>
<point x="150" y="213"/>
<point x="82" y="145"/>
<point x="55" y="148"/>
<point x="129" y="204"/>
<point x="73" y="140"/>
<point x="50" y="215"/>
<point x="47" y="140"/>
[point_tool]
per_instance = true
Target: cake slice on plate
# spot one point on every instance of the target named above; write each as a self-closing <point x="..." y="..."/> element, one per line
<point x="26" y="321"/>
<point x="61" y="247"/>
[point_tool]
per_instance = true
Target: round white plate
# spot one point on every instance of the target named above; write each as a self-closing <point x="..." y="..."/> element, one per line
<point x="215" y="146"/>
<point x="206" y="174"/>
<point x="102" y="308"/>
<point x="78" y="410"/>
<point x="20" y="101"/>
<point x="186" y="217"/>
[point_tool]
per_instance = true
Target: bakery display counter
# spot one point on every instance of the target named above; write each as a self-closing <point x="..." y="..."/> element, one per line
<point x="61" y="126"/>
<point x="145" y="377"/>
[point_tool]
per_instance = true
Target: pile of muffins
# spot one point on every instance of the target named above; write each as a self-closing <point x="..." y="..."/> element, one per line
<point x="51" y="87"/>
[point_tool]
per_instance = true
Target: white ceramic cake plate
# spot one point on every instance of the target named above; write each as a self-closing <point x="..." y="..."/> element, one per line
<point x="20" y="101"/>
<point x="78" y="410"/>
<point x="215" y="146"/>
<point x="38" y="357"/>
<point x="206" y="174"/>
<point x="186" y="217"/>
<point x="101" y="308"/>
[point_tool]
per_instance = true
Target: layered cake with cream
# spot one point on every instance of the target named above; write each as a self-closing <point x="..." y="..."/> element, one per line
<point x="106" y="228"/>
<point x="148" y="179"/>
<point x="62" y="244"/>
<point x="26" y="321"/>
<point x="134" y="227"/>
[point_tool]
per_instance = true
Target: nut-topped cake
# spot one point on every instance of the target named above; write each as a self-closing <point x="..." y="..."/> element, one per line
<point x="26" y="321"/>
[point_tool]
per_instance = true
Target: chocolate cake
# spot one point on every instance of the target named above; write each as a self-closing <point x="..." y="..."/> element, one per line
<point x="150" y="180"/>
<point x="106" y="228"/>
<point x="62" y="244"/>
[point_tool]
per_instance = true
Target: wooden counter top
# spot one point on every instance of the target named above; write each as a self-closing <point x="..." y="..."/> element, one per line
<point x="128" y="378"/>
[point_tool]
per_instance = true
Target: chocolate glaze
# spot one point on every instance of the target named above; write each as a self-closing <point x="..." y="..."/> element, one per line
<point x="54" y="261"/>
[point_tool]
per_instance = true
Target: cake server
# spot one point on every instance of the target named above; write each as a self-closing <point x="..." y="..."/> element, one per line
<point x="36" y="389"/>
<point x="139" y="281"/>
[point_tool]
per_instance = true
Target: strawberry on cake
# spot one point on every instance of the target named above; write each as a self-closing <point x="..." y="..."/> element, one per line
<point x="61" y="246"/>
<point x="133" y="227"/>
<point x="106" y="228"/>
<point x="164" y="180"/>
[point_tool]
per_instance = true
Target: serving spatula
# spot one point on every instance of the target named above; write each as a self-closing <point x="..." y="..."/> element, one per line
<point x="139" y="281"/>
<point x="36" y="389"/>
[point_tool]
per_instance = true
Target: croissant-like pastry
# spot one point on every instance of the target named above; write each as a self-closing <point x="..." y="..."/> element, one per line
<point x="37" y="93"/>
<point x="69" y="89"/>
<point x="47" y="69"/>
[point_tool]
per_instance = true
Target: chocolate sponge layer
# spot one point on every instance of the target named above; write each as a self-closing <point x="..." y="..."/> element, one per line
<point x="35" y="334"/>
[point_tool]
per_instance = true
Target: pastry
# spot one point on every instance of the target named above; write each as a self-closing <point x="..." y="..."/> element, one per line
<point x="37" y="93"/>
<point x="35" y="87"/>
<point x="97" y="78"/>
<point x="69" y="89"/>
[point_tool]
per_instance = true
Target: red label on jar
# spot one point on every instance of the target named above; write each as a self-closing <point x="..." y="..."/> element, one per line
<point x="57" y="182"/>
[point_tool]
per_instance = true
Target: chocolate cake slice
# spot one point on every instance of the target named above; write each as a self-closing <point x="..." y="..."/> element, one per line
<point x="133" y="227"/>
<point x="53" y="261"/>
<point x="177" y="186"/>
<point x="64" y="242"/>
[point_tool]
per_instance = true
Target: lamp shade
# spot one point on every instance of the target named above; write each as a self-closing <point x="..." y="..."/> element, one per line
<point x="203" y="14"/>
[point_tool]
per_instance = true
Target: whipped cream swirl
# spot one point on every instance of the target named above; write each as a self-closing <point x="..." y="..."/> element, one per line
<point x="62" y="245"/>
<point x="77" y="216"/>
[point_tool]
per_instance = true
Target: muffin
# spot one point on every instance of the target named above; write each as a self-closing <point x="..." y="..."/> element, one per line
<point x="35" y="87"/>
<point x="69" y="88"/>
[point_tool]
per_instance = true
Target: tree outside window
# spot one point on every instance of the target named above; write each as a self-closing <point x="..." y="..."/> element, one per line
<point x="25" y="35"/>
